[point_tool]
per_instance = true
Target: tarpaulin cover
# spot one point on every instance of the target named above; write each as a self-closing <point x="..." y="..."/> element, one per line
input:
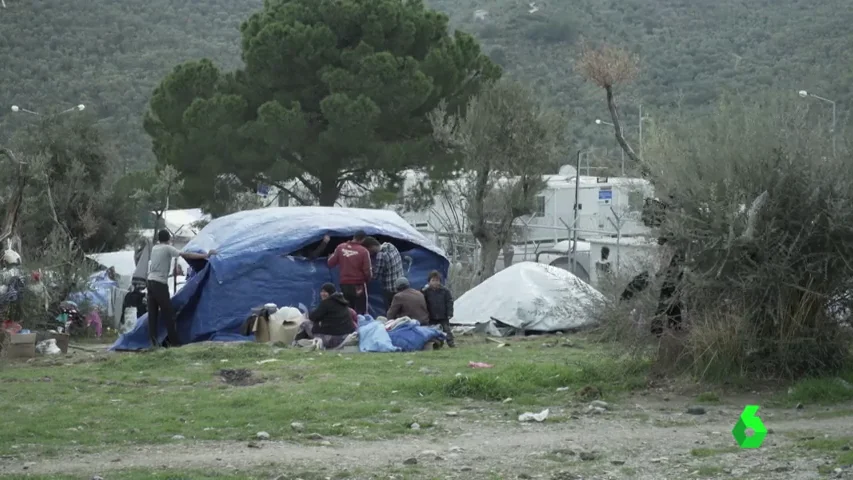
<point x="98" y="291"/>
<point x="413" y="338"/>
<point x="529" y="296"/>
<point x="254" y="266"/>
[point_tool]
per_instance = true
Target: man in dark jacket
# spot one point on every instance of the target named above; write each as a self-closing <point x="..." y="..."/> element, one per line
<point x="353" y="261"/>
<point x="332" y="320"/>
<point x="408" y="302"/>
<point x="439" y="302"/>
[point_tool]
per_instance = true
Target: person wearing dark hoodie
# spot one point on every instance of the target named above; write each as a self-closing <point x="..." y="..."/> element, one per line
<point x="355" y="272"/>
<point x="439" y="302"/>
<point x="333" y="320"/>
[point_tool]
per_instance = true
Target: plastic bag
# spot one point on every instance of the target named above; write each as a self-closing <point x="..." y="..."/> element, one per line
<point x="129" y="320"/>
<point x="48" y="347"/>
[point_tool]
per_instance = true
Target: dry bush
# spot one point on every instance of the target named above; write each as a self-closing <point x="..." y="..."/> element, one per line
<point x="607" y="66"/>
<point x="624" y="321"/>
<point x="763" y="214"/>
<point x="461" y="277"/>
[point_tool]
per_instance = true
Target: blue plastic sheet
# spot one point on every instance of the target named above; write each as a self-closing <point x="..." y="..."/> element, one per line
<point x="253" y="266"/>
<point x="98" y="291"/>
<point x="412" y="338"/>
<point x="372" y="336"/>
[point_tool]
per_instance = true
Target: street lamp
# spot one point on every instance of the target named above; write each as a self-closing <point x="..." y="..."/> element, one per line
<point x="599" y="121"/>
<point x="78" y="108"/>
<point x="805" y="94"/>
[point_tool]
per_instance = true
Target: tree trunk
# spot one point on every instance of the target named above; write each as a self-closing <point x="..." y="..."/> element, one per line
<point x="620" y="135"/>
<point x="489" y="251"/>
<point x="329" y="192"/>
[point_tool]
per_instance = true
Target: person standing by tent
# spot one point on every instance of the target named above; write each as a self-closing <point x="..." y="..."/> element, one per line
<point x="602" y="267"/>
<point x="439" y="301"/>
<point x="387" y="267"/>
<point x="355" y="272"/>
<point x="159" y="301"/>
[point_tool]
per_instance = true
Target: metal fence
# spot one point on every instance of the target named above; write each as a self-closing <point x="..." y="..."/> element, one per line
<point x="462" y="250"/>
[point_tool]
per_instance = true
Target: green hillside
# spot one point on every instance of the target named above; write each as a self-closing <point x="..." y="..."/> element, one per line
<point x="110" y="54"/>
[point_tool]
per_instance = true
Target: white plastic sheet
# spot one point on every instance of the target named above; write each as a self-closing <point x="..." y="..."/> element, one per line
<point x="529" y="296"/>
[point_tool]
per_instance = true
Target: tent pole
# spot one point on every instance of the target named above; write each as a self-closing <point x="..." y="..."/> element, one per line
<point x="575" y="220"/>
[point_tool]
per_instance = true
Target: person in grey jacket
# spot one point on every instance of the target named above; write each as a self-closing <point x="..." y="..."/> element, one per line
<point x="439" y="302"/>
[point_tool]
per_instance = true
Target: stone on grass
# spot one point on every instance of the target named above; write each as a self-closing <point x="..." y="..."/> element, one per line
<point x="315" y="436"/>
<point x="178" y="437"/>
<point x="297" y="426"/>
<point x="588" y="456"/>
<point x="415" y="426"/>
<point x="263" y="436"/>
<point x="410" y="461"/>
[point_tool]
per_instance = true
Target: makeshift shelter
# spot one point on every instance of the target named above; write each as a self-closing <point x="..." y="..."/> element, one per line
<point x="527" y="297"/>
<point x="182" y="223"/>
<point x="110" y="296"/>
<point x="262" y="259"/>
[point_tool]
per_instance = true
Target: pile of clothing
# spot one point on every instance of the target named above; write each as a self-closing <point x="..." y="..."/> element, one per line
<point x="379" y="335"/>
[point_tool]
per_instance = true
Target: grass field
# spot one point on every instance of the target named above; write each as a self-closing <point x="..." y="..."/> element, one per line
<point x="58" y="408"/>
<point x="150" y="398"/>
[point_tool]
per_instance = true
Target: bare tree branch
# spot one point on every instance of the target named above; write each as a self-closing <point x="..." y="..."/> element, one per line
<point x="608" y="67"/>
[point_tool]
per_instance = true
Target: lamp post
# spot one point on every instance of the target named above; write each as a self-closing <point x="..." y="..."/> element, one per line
<point x="78" y="108"/>
<point x="805" y="94"/>
<point x="598" y="121"/>
<point x="640" y="123"/>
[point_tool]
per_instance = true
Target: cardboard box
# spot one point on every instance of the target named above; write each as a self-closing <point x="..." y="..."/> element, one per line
<point x="22" y="345"/>
<point x="262" y="329"/>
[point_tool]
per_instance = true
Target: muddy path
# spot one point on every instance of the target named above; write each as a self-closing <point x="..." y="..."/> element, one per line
<point x="637" y="438"/>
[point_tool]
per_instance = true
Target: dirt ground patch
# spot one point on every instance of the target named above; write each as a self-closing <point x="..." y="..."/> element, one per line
<point x="640" y="437"/>
<point x="238" y="377"/>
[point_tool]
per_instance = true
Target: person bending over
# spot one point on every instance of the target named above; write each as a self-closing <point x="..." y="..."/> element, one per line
<point x="387" y="267"/>
<point x="159" y="300"/>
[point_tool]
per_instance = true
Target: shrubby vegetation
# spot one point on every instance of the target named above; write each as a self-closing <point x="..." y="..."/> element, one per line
<point x="760" y="210"/>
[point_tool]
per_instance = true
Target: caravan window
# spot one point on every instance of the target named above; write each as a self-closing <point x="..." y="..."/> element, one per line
<point x="636" y="200"/>
<point x="539" y="206"/>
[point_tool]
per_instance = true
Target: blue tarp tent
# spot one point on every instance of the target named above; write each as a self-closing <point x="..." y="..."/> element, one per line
<point x="260" y="260"/>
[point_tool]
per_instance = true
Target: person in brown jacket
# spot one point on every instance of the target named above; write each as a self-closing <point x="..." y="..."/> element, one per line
<point x="408" y="302"/>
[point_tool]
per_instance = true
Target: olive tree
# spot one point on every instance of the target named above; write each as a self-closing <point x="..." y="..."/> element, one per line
<point x="505" y="141"/>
